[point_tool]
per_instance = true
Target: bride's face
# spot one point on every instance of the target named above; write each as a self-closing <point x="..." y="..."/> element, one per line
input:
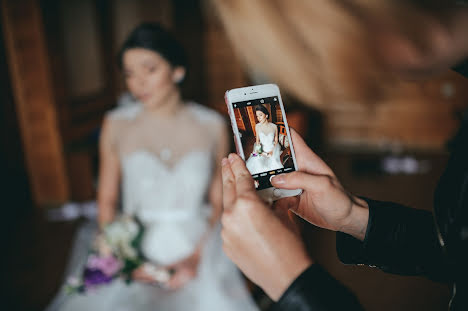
<point x="261" y="117"/>
<point x="149" y="77"/>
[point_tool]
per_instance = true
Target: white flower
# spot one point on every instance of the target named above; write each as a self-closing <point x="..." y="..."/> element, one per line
<point x="73" y="281"/>
<point x="258" y="148"/>
<point x="120" y="235"/>
<point x="128" y="251"/>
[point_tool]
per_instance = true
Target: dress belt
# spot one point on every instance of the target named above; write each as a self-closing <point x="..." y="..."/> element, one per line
<point x="175" y="215"/>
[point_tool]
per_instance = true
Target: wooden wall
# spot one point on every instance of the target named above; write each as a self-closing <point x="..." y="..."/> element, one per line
<point x="419" y="115"/>
<point x="35" y="105"/>
<point x="62" y="62"/>
<point x="223" y="70"/>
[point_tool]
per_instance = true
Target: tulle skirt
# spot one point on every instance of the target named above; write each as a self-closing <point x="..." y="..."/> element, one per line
<point x="218" y="285"/>
<point x="260" y="163"/>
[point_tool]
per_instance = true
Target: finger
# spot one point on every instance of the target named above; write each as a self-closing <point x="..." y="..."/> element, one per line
<point x="285" y="203"/>
<point x="180" y="278"/>
<point x="142" y="277"/>
<point x="229" y="185"/>
<point x="307" y="160"/>
<point x="300" y="180"/>
<point x="281" y="209"/>
<point x="178" y="264"/>
<point x="243" y="179"/>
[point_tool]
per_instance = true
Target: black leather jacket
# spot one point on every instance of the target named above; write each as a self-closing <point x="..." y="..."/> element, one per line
<point x="402" y="240"/>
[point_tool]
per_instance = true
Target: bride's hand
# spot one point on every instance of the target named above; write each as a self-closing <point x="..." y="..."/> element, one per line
<point x="141" y="275"/>
<point x="185" y="270"/>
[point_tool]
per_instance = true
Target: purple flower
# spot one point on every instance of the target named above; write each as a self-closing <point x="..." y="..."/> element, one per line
<point x="94" y="277"/>
<point x="109" y="265"/>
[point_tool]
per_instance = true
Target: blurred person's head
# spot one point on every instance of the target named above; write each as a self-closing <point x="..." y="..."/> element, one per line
<point x="153" y="63"/>
<point x="325" y="51"/>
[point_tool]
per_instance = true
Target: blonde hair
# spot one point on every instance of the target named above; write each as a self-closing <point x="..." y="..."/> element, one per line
<point x="323" y="51"/>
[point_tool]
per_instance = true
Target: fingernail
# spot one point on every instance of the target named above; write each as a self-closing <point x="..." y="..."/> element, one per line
<point x="224" y="161"/>
<point x="278" y="179"/>
<point x="231" y="157"/>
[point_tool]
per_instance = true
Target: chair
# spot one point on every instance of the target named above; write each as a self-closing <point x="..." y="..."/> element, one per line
<point x="284" y="142"/>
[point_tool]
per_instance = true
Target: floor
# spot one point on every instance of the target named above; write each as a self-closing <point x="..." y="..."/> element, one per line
<point x="37" y="261"/>
<point x="38" y="251"/>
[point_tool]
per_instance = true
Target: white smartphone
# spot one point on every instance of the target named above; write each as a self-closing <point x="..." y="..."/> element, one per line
<point x="262" y="137"/>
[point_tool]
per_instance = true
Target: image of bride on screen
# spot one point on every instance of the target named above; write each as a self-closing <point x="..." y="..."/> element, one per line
<point x="266" y="151"/>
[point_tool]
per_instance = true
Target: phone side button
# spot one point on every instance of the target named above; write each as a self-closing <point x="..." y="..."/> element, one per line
<point x="276" y="192"/>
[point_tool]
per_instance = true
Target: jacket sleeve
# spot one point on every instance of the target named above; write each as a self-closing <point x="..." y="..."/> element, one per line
<point x="316" y="290"/>
<point x="398" y="240"/>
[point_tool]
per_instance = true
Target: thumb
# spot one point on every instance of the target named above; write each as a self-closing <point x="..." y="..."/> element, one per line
<point x="300" y="180"/>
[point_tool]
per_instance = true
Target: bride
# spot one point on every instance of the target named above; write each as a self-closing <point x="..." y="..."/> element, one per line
<point x="267" y="151"/>
<point x="162" y="156"/>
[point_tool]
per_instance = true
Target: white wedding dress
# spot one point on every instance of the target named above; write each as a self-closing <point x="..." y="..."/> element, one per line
<point x="260" y="163"/>
<point x="165" y="178"/>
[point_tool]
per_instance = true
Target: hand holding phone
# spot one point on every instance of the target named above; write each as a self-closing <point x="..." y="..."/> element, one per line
<point x="261" y="131"/>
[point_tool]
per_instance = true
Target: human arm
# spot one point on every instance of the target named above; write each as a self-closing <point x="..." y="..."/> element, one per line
<point x="109" y="175"/>
<point x="276" y="135"/>
<point x="257" y="137"/>
<point x="398" y="240"/>
<point x="393" y="237"/>
<point x="254" y="237"/>
<point x="215" y="195"/>
<point x="260" y="240"/>
<point x="316" y="290"/>
<point x="275" y="139"/>
<point x="108" y="186"/>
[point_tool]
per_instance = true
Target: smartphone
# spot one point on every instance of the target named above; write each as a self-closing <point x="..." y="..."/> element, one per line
<point x="262" y="137"/>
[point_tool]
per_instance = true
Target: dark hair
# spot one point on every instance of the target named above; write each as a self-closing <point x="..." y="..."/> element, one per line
<point x="262" y="109"/>
<point x="154" y="37"/>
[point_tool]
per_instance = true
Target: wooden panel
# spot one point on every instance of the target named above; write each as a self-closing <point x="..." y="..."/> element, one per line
<point x="80" y="33"/>
<point x="240" y="121"/>
<point x="80" y="167"/>
<point x="33" y="95"/>
<point x="81" y="47"/>
<point x="85" y="43"/>
<point x="418" y="115"/>
<point x="187" y="26"/>
<point x="278" y="115"/>
<point x="128" y="14"/>
<point x="222" y="68"/>
<point x="252" y="119"/>
<point x="246" y="121"/>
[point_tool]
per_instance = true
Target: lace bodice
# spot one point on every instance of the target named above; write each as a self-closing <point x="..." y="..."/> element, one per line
<point x="267" y="141"/>
<point x="167" y="167"/>
<point x="154" y="191"/>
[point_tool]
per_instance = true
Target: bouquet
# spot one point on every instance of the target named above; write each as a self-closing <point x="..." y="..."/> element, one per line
<point x="257" y="150"/>
<point x="115" y="254"/>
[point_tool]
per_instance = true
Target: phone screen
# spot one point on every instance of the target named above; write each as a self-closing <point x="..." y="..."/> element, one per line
<point x="264" y="139"/>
